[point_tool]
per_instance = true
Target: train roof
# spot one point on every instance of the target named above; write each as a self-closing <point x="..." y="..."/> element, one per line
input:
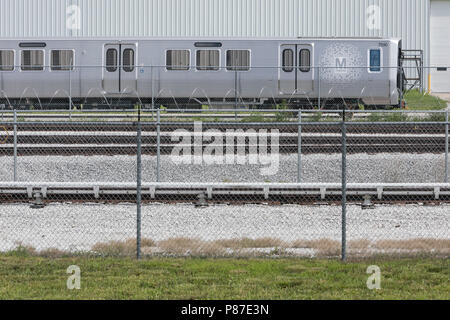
<point x="198" y="38"/>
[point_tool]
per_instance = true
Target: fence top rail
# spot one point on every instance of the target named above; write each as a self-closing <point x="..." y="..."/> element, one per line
<point x="165" y="111"/>
<point x="155" y="123"/>
<point x="231" y="123"/>
<point x="75" y="123"/>
<point x="399" y="123"/>
<point x="245" y="124"/>
<point x="200" y="111"/>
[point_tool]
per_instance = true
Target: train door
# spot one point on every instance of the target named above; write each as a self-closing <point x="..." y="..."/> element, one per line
<point x="120" y="74"/>
<point x="288" y="72"/>
<point x="296" y="73"/>
<point x="128" y="72"/>
<point x="304" y="69"/>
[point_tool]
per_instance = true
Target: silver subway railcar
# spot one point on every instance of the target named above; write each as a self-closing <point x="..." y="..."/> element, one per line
<point x="256" y="72"/>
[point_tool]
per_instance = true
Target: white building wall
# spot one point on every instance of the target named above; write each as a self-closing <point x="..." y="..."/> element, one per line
<point x="440" y="46"/>
<point x="407" y="19"/>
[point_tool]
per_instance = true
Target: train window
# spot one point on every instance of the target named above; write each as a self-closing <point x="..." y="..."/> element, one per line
<point x="32" y="60"/>
<point x="208" y="60"/>
<point x="6" y="60"/>
<point x="288" y="60"/>
<point x="111" y="60"/>
<point x="128" y="60"/>
<point x="305" y="60"/>
<point x="61" y="60"/>
<point x="177" y="59"/>
<point x="238" y="60"/>
<point x="375" y="60"/>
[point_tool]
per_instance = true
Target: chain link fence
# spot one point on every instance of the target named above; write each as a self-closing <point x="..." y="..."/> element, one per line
<point x="227" y="187"/>
<point x="228" y="170"/>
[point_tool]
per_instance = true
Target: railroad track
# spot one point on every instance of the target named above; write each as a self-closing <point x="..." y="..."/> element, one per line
<point x="285" y="127"/>
<point x="75" y="144"/>
<point x="125" y="144"/>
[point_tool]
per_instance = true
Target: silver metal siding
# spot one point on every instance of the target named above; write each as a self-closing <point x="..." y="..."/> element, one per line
<point x="407" y="19"/>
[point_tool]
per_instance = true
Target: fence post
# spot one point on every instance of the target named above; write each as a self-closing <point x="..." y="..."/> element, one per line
<point x="318" y="79"/>
<point x="153" y="91"/>
<point x="139" y="185"/>
<point x="15" y="145"/>
<point x="158" y="146"/>
<point x="344" y="188"/>
<point x="235" y="93"/>
<point x="70" y="92"/>
<point x="299" y="151"/>
<point x="446" y="147"/>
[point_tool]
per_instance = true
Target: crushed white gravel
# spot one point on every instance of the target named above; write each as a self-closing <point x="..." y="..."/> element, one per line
<point x="77" y="227"/>
<point x="361" y="168"/>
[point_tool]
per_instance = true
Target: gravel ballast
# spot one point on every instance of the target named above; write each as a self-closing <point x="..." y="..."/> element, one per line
<point x="78" y="227"/>
<point x="361" y="168"/>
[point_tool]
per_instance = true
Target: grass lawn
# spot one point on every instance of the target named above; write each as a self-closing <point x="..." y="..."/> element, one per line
<point x="418" y="101"/>
<point x="31" y="277"/>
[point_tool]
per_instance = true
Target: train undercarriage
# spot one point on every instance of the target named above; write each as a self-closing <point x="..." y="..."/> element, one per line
<point x="189" y="104"/>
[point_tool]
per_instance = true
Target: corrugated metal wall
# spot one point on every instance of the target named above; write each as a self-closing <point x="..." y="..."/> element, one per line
<point x="407" y="19"/>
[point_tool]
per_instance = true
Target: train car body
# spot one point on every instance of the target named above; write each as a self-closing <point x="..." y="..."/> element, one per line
<point x="253" y="71"/>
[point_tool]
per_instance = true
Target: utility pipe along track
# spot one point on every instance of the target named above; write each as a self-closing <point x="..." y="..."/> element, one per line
<point x="232" y="193"/>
